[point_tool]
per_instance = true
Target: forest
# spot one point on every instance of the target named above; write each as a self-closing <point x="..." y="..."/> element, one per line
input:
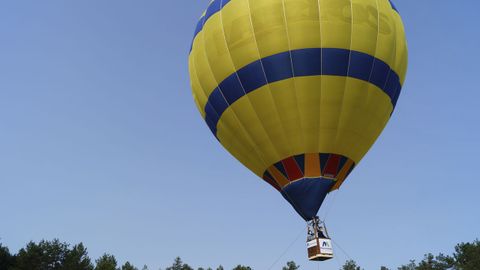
<point x="57" y="255"/>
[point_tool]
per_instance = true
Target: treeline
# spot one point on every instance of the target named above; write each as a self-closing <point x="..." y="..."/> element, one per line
<point x="465" y="257"/>
<point x="56" y="255"/>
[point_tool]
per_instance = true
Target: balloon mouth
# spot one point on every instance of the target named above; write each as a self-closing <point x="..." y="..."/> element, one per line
<point x="305" y="180"/>
<point x="307" y="195"/>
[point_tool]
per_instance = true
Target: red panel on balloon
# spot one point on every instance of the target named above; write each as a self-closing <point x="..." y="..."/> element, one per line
<point x="293" y="170"/>
<point x="331" y="169"/>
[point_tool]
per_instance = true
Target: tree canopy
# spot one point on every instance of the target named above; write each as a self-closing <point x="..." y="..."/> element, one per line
<point x="106" y="262"/>
<point x="56" y="255"/>
<point x="179" y="265"/>
<point x="291" y="266"/>
<point x="241" y="267"/>
<point x="6" y="259"/>
<point x="128" y="266"/>
<point x="465" y="257"/>
<point x="351" y="265"/>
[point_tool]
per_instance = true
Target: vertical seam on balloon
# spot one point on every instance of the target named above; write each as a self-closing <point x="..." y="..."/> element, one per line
<point x="394" y="62"/>
<point x="396" y="94"/>
<point x="254" y="146"/>
<point x="398" y="90"/>
<point x="369" y="94"/>
<point x="194" y="68"/>
<point x="243" y="88"/>
<point x="196" y="74"/>
<point x="372" y="66"/>
<point x="244" y="129"/>
<point x="395" y="53"/>
<point x="263" y="69"/>
<point x="206" y="98"/>
<point x="376" y="43"/>
<point x="200" y="85"/>
<point x="395" y="58"/>
<point x="393" y="65"/>
<point x="375" y="55"/>
<point x="346" y="81"/>
<point x="294" y="79"/>
<point x="376" y="51"/>
<point x="265" y="76"/>
<point x="321" y="78"/>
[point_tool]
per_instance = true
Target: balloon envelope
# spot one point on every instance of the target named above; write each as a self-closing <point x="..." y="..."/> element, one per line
<point x="298" y="90"/>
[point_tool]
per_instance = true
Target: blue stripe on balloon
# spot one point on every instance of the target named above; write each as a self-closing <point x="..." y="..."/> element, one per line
<point x="278" y="67"/>
<point x="211" y="125"/>
<point x="252" y="76"/>
<point x="360" y="65"/>
<point x="393" y="6"/>
<point x="397" y="95"/>
<point x="379" y="74"/>
<point x="298" y="63"/>
<point x="218" y="102"/>
<point x="235" y="89"/>
<point x="199" y="28"/>
<point x="391" y="85"/>
<point x="212" y="9"/>
<point x="307" y="62"/>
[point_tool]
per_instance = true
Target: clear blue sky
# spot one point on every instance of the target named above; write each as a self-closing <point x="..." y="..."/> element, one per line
<point x="100" y="142"/>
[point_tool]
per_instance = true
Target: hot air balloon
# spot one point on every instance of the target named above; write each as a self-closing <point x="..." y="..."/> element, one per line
<point x="299" y="90"/>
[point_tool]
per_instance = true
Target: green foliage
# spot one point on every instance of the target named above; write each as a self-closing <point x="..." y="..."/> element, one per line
<point x="467" y="256"/>
<point x="7" y="260"/>
<point x="51" y="255"/>
<point x="77" y="259"/>
<point x="291" y="266"/>
<point x="241" y="267"/>
<point x="431" y="262"/>
<point x="128" y="266"/>
<point x="350" y="265"/>
<point x="411" y="266"/>
<point x="55" y="255"/>
<point x="179" y="265"/>
<point x="44" y="255"/>
<point x="106" y="262"/>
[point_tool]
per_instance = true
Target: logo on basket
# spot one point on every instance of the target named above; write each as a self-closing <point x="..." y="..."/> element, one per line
<point x="325" y="244"/>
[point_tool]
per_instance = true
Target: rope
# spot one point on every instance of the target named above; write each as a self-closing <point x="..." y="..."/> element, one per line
<point x="338" y="262"/>
<point x="344" y="252"/>
<point x="330" y="206"/>
<point x="287" y="249"/>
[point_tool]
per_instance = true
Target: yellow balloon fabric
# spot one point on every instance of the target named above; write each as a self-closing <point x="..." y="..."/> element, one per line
<point x="298" y="89"/>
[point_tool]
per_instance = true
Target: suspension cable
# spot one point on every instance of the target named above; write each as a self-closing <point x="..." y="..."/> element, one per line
<point x="343" y="250"/>
<point x="330" y="206"/>
<point x="287" y="249"/>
